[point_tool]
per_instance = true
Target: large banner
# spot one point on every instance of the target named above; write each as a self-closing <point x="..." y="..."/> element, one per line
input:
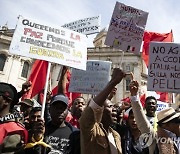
<point x="126" y="28"/>
<point x="55" y="44"/>
<point x="85" y="26"/>
<point x="164" y="67"/>
<point x="93" y="80"/>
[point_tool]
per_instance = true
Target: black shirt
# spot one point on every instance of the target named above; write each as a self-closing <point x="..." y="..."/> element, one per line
<point x="58" y="138"/>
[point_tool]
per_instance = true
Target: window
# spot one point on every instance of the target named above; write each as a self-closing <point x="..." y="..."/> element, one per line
<point x="128" y="81"/>
<point x="2" y="61"/>
<point x="128" y="68"/>
<point x="25" y="69"/>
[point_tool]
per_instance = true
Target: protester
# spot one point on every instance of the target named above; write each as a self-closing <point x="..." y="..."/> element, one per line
<point x="25" y="107"/>
<point x="169" y="128"/>
<point x="13" y="135"/>
<point x="77" y="108"/>
<point x="141" y="119"/>
<point x="150" y="107"/>
<point x="168" y="121"/>
<point x="60" y="135"/>
<point x="34" y="115"/>
<point x="36" y="130"/>
<point x="130" y="136"/>
<point x="97" y="136"/>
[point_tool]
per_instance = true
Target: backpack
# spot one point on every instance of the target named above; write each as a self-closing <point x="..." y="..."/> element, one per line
<point x="12" y="128"/>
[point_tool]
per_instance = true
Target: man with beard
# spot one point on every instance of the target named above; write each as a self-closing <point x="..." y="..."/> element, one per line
<point x="60" y="135"/>
<point x="97" y="136"/>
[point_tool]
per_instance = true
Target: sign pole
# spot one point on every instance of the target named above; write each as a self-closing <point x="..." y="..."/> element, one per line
<point x="45" y="90"/>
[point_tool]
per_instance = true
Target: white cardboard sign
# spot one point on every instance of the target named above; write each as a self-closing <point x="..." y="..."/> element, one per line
<point x="85" y="26"/>
<point x="126" y="28"/>
<point x="93" y="80"/>
<point x="55" y="44"/>
<point x="164" y="67"/>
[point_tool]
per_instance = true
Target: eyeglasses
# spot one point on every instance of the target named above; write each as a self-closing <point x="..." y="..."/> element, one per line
<point x="6" y="98"/>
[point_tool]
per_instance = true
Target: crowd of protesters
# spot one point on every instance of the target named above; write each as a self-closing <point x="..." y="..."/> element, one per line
<point x="95" y="126"/>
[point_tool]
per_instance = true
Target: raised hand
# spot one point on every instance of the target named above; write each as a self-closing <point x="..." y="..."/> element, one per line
<point x="117" y="75"/>
<point x="134" y="87"/>
<point x="26" y="87"/>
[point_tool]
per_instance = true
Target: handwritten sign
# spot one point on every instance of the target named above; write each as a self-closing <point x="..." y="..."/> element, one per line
<point x="164" y="67"/>
<point x="40" y="41"/>
<point x="91" y="81"/>
<point x="161" y="106"/>
<point x="85" y="26"/>
<point x="126" y="28"/>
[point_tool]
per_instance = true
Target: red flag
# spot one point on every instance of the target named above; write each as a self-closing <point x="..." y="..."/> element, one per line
<point x="142" y="99"/>
<point x="70" y="95"/>
<point x="127" y="99"/>
<point x="151" y="36"/>
<point x="37" y="77"/>
<point x="159" y="37"/>
<point x="163" y="96"/>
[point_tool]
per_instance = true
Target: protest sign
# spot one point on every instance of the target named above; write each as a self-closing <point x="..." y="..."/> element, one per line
<point x="164" y="67"/>
<point x="126" y="28"/>
<point x="85" y="26"/>
<point x="91" y="81"/>
<point x="54" y="44"/>
<point x="161" y="106"/>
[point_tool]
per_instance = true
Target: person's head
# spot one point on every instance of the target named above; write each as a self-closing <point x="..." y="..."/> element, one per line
<point x="58" y="109"/>
<point x="131" y="122"/>
<point x="119" y="111"/>
<point x="35" y="114"/>
<point x="26" y="106"/>
<point x="169" y="119"/>
<point x="109" y="114"/>
<point x="78" y="106"/>
<point x="8" y="97"/>
<point x="150" y="106"/>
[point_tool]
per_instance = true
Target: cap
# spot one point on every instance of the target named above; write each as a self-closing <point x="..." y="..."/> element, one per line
<point x="28" y="102"/>
<point x="59" y="98"/>
<point x="8" y="90"/>
<point x="167" y="115"/>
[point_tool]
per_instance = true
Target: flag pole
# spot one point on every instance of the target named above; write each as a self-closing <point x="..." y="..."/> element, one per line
<point x="121" y="62"/>
<point x="45" y="90"/>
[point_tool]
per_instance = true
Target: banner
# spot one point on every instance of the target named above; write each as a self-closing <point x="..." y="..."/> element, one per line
<point x="164" y="67"/>
<point x="85" y="26"/>
<point x="93" y="80"/>
<point x="40" y="41"/>
<point x="126" y="28"/>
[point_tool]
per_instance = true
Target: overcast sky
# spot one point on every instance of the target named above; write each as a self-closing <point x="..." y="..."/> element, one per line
<point x="164" y="15"/>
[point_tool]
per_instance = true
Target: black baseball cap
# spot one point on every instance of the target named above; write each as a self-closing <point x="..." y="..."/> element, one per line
<point x="59" y="98"/>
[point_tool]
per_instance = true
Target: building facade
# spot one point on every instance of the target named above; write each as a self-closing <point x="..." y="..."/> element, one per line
<point x="129" y="62"/>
